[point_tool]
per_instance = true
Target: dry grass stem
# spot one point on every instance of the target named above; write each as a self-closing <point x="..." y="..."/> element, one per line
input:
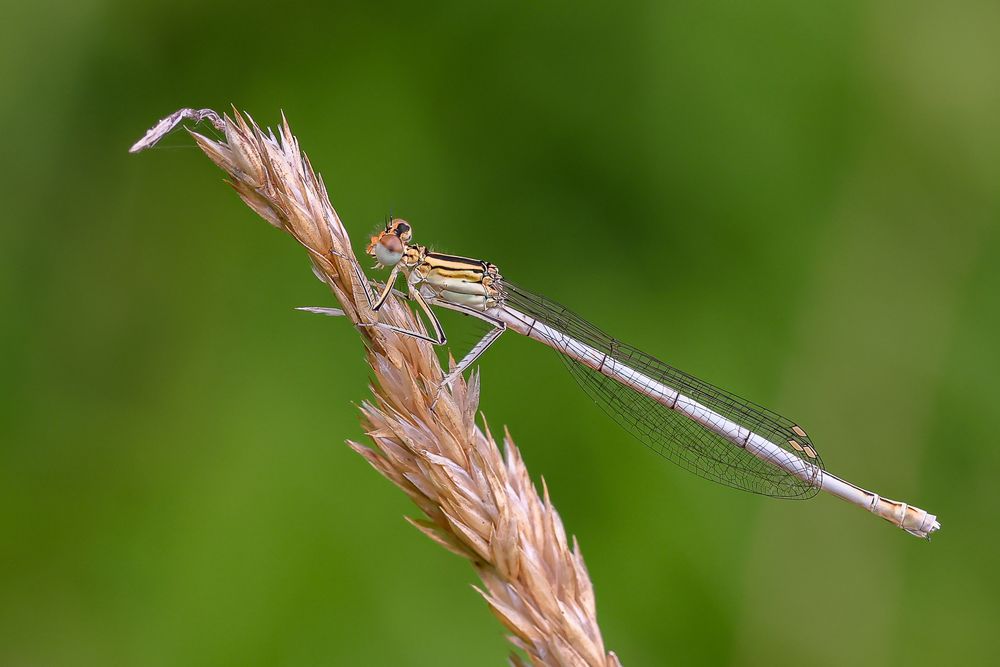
<point x="478" y="502"/>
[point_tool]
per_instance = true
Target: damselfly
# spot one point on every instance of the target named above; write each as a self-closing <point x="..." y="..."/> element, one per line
<point x="702" y="428"/>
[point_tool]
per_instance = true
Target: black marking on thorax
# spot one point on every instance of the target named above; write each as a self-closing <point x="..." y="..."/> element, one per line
<point x="456" y="262"/>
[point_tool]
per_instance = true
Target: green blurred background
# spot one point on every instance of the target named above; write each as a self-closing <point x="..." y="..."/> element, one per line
<point x="797" y="201"/>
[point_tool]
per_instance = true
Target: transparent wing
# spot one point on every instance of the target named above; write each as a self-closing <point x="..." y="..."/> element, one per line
<point x="670" y="433"/>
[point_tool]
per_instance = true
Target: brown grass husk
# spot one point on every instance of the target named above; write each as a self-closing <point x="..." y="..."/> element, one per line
<point x="478" y="501"/>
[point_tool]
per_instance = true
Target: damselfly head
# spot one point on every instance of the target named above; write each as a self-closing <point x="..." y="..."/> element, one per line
<point x="400" y="228"/>
<point x="387" y="246"/>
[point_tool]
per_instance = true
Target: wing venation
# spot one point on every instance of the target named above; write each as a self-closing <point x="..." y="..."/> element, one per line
<point x="668" y="432"/>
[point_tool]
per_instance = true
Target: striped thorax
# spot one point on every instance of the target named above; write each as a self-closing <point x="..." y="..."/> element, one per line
<point x="460" y="280"/>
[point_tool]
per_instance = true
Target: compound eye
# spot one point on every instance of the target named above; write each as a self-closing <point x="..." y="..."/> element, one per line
<point x="391" y="243"/>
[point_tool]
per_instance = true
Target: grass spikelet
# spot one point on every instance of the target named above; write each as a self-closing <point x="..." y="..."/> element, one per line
<point x="478" y="501"/>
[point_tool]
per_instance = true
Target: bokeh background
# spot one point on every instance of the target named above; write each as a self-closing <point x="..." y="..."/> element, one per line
<point x="797" y="201"/>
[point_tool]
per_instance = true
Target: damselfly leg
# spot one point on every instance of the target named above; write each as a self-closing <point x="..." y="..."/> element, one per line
<point x="477" y="350"/>
<point x="376" y="299"/>
<point x="439" y="337"/>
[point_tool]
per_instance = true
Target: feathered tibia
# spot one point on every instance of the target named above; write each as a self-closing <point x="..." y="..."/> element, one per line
<point x="478" y="502"/>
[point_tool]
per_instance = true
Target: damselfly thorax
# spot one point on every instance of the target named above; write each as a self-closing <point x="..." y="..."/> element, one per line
<point x="452" y="279"/>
